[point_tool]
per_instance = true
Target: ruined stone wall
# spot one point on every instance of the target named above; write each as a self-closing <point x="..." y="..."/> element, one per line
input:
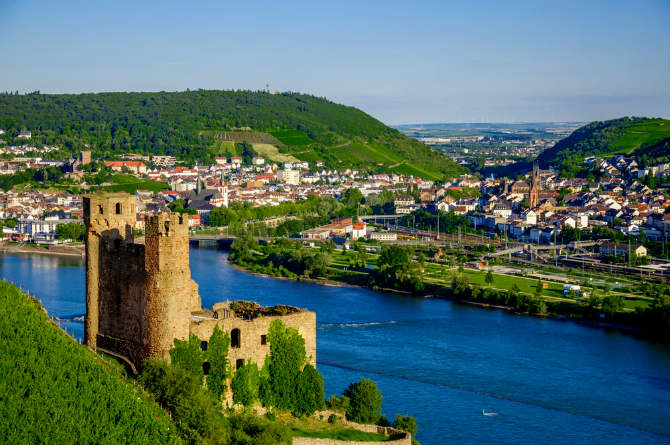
<point x="251" y="332"/>
<point x="138" y="297"/>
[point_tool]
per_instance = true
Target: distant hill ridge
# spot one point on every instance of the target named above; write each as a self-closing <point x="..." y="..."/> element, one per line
<point x="644" y="138"/>
<point x="191" y="125"/>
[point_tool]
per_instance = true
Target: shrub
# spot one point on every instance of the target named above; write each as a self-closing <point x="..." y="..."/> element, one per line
<point x="339" y="404"/>
<point x="197" y="411"/>
<point x="248" y="429"/>
<point x="406" y="423"/>
<point x="365" y="401"/>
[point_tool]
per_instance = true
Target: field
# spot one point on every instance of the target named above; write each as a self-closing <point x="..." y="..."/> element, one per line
<point x="293" y="138"/>
<point x="650" y="131"/>
<point x="441" y="274"/>
<point x="54" y="390"/>
<point x="270" y="152"/>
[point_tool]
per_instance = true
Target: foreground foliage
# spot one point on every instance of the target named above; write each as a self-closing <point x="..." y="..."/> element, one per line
<point x="54" y="390"/>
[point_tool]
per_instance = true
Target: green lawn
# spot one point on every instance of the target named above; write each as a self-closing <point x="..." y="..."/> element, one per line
<point x="311" y="427"/>
<point x="130" y="184"/>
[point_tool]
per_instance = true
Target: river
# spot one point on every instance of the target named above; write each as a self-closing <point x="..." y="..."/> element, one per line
<point x="549" y="381"/>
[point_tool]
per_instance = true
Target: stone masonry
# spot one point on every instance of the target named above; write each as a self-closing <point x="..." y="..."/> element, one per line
<point x="249" y="336"/>
<point x="140" y="297"/>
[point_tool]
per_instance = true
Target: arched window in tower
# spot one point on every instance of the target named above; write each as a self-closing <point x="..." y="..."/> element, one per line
<point x="235" y="338"/>
<point x="118" y="208"/>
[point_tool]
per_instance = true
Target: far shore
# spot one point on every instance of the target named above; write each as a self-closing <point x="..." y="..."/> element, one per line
<point x="327" y="282"/>
<point x="71" y="251"/>
<point x="79" y="252"/>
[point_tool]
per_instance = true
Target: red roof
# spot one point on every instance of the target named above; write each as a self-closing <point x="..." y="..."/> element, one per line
<point x="125" y="164"/>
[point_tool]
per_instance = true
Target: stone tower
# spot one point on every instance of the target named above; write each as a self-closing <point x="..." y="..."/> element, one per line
<point x="110" y="224"/>
<point x="138" y="297"/>
<point x="170" y="293"/>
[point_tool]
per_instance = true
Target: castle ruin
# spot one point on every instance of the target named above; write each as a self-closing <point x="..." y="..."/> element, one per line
<point x="140" y="297"/>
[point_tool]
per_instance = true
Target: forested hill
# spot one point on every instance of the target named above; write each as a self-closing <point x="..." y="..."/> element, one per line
<point x="646" y="139"/>
<point x="199" y="125"/>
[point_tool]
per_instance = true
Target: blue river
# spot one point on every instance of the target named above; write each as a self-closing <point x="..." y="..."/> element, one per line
<point x="548" y="381"/>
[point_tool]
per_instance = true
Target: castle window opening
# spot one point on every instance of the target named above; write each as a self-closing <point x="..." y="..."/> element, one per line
<point x="118" y="208"/>
<point x="205" y="368"/>
<point x="235" y="338"/>
<point x="239" y="363"/>
<point x="264" y="339"/>
<point x="203" y="345"/>
<point x="100" y="209"/>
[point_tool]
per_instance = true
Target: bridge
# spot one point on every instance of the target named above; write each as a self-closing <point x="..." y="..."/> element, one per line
<point x="220" y="239"/>
<point x="533" y="249"/>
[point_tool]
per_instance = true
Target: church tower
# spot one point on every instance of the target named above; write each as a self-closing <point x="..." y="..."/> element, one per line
<point x="534" y="186"/>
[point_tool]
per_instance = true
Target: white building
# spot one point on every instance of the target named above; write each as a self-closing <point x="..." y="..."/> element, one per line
<point x="530" y="217"/>
<point x="383" y="236"/>
<point x="164" y="161"/>
<point x="291" y="177"/>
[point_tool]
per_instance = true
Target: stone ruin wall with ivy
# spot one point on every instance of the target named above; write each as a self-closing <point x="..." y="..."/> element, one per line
<point x="252" y="333"/>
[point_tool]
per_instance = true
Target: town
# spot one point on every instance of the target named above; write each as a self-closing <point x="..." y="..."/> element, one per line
<point x="540" y="208"/>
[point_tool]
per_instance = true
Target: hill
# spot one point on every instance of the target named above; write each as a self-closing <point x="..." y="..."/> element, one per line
<point x="54" y="390"/>
<point x="646" y="139"/>
<point x="199" y="125"/>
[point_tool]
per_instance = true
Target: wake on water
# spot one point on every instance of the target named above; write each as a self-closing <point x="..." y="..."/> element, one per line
<point x="72" y="318"/>
<point x="356" y="325"/>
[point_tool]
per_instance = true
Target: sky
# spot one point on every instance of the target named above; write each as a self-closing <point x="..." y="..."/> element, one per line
<point x="401" y="61"/>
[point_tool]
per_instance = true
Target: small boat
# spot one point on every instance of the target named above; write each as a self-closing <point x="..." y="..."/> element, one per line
<point x="484" y="413"/>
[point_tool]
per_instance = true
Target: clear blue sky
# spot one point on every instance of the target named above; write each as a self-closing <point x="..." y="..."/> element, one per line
<point x="401" y="61"/>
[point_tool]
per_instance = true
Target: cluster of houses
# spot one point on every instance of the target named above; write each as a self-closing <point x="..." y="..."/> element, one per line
<point x="619" y="199"/>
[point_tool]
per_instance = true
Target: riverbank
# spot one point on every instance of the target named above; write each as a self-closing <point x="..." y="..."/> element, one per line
<point x="635" y="326"/>
<point x="76" y="251"/>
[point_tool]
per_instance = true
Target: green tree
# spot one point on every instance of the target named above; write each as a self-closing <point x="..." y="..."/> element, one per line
<point x="611" y="304"/>
<point x="187" y="355"/>
<point x="246" y="384"/>
<point x="489" y="278"/>
<point x="397" y="270"/>
<point x="217" y="356"/>
<point x="365" y="401"/>
<point x="352" y="197"/>
<point x="72" y="231"/>
<point x="310" y="394"/>
<point x="538" y="288"/>
<point x="284" y="364"/>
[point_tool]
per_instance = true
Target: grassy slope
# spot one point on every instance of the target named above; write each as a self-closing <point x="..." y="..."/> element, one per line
<point x="54" y="390"/>
<point x="607" y="138"/>
<point x="186" y="124"/>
